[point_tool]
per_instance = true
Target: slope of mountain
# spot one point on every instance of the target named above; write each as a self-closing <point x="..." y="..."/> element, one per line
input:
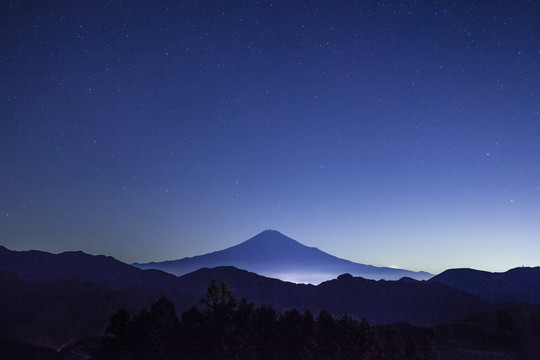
<point x="39" y="267"/>
<point x="53" y="300"/>
<point x="273" y="254"/>
<point x="59" y="312"/>
<point x="515" y="285"/>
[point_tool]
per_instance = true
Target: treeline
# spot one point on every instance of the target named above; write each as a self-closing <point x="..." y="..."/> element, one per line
<point x="227" y="329"/>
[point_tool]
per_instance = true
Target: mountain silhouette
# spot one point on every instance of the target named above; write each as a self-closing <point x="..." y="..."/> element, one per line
<point x="515" y="285"/>
<point x="38" y="267"/>
<point x="273" y="254"/>
<point x="54" y="299"/>
<point x="381" y="302"/>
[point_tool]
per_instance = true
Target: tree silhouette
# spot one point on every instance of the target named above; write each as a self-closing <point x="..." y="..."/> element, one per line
<point x="118" y="326"/>
<point x="393" y="345"/>
<point x="164" y="325"/>
<point x="368" y="342"/>
<point x="220" y="302"/>
<point x="226" y="329"/>
<point x="295" y="337"/>
<point x="193" y="335"/>
<point x="219" y="298"/>
<point x="243" y="330"/>
<point x="265" y="331"/>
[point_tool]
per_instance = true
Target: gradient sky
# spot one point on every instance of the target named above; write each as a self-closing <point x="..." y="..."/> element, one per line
<point x="392" y="133"/>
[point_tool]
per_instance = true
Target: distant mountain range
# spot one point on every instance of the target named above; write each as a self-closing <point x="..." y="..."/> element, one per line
<point x="56" y="299"/>
<point x="516" y="285"/>
<point x="49" y="299"/>
<point x="275" y="255"/>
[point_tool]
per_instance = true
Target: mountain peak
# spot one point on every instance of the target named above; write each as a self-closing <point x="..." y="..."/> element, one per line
<point x="271" y="236"/>
<point x="272" y="254"/>
<point x="271" y="243"/>
<point x="270" y="233"/>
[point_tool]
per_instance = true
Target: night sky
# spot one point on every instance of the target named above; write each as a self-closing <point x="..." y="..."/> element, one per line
<point x="392" y="133"/>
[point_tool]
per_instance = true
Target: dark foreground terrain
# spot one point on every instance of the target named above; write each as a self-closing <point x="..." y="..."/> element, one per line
<point x="77" y="306"/>
<point x="223" y="328"/>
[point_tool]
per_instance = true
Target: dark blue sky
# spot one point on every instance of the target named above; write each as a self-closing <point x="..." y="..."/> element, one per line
<point x="390" y="133"/>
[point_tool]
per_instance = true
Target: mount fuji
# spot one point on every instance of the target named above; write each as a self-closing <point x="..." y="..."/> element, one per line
<point x="275" y="255"/>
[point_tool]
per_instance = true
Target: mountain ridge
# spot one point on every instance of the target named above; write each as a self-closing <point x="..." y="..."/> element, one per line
<point x="379" y="301"/>
<point x="520" y="284"/>
<point x="78" y="265"/>
<point x="50" y="306"/>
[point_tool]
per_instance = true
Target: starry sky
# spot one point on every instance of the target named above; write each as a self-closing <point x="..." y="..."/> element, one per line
<point x="392" y="133"/>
